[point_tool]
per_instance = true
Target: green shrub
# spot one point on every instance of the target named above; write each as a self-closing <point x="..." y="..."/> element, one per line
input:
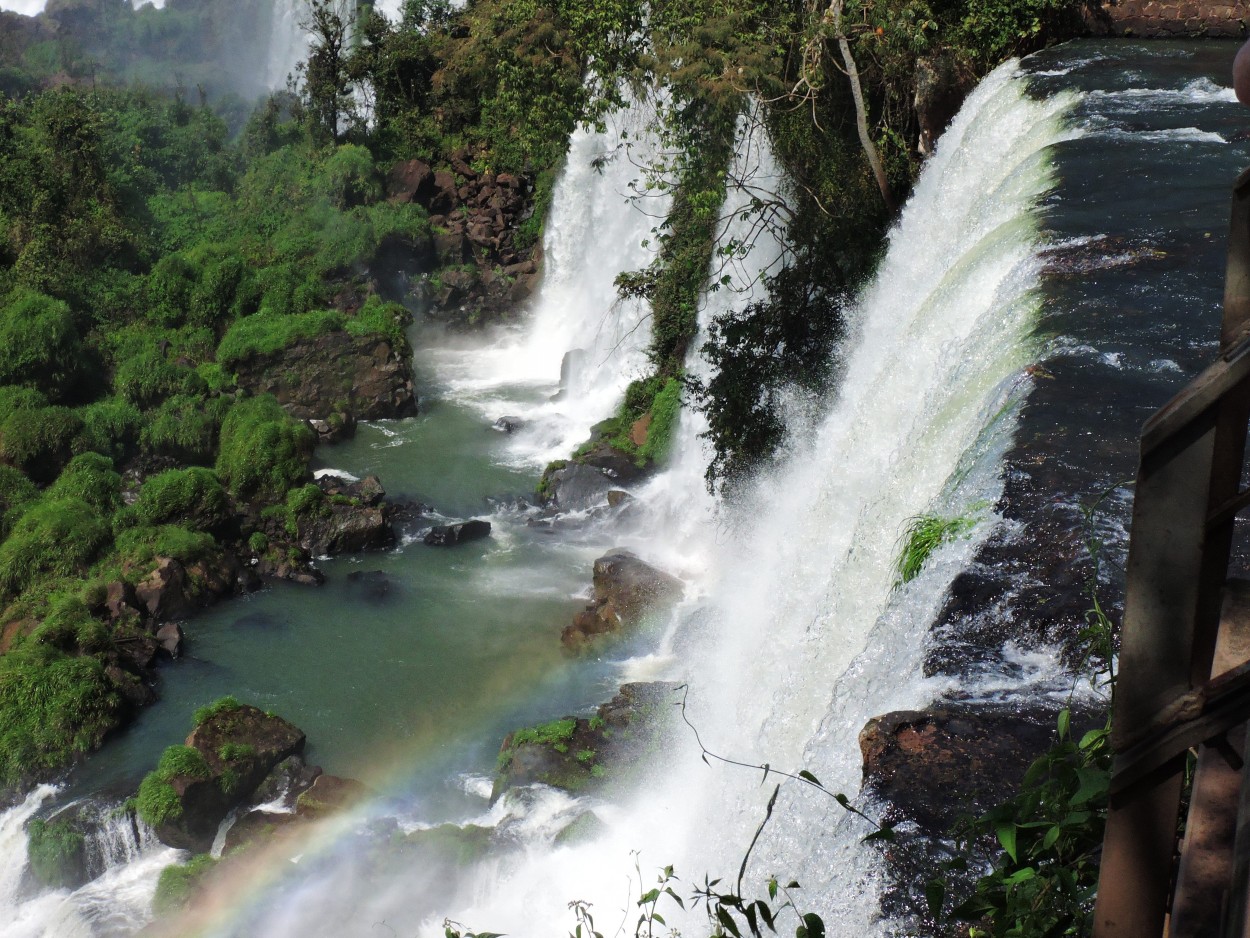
<point x="111" y="426"/>
<point x="89" y="477"/>
<point x="142" y="545"/>
<point x="158" y="803"/>
<point x="57" y="853"/>
<point x="69" y="626"/>
<point x="215" y="377"/>
<point x="147" y="378"/>
<point x="266" y="333"/>
<point x="40" y="342"/>
<point x="178" y="882"/>
<point x="219" y="706"/>
<point x="257" y="542"/>
<point x="15" y="397"/>
<point x="58" y="538"/>
<point x="229" y="752"/>
<point x="52" y="706"/>
<point x="377" y="317"/>
<point x="186" y="427"/>
<point x="186" y="496"/>
<point x="169" y="289"/>
<point x="41" y="441"/>
<point x="665" y="415"/>
<point x="264" y="452"/>
<point x="348" y="177"/>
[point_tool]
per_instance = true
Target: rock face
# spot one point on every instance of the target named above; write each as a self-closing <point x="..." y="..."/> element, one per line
<point x="475" y="218"/>
<point x="449" y="535"/>
<point x="1166" y="18"/>
<point x="329" y="794"/>
<point x="241" y="746"/>
<point x="626" y="589"/>
<point x="940" y="92"/>
<point x="577" y="754"/>
<point x="174" y="590"/>
<point x="932" y="766"/>
<point x="353" y="518"/>
<point x="335" y="379"/>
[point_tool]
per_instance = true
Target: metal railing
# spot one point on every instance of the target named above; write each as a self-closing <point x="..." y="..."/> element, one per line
<point x="1167" y="698"/>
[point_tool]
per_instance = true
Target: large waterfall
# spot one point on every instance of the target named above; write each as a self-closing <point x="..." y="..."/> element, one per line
<point x="793" y="630"/>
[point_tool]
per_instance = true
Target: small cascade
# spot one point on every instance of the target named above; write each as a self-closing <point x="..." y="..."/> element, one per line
<point x="123" y="859"/>
<point x="288" y="43"/>
<point x="568" y="366"/>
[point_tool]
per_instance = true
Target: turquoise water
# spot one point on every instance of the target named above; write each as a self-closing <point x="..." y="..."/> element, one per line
<point x="410" y="686"/>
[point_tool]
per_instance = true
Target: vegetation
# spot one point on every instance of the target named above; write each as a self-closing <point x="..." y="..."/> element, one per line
<point x="219" y="706"/>
<point x="158" y="802"/>
<point x="923" y="535"/>
<point x="56" y="852"/>
<point x="178" y="882"/>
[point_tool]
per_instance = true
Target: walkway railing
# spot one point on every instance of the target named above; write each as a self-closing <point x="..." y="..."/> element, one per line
<point x="1184" y="673"/>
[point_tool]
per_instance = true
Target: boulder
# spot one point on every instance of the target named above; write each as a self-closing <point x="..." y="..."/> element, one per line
<point x="371" y="586"/>
<point x="367" y="491"/>
<point x="164" y="592"/>
<point x="120" y="600"/>
<point x="508" y="424"/>
<point x="330" y="794"/>
<point x="580" y="754"/>
<point x="334" y="428"/>
<point x="410" y="181"/>
<point x="240" y="746"/>
<point x="445" y="198"/>
<point x="169" y="638"/>
<point x="335" y="377"/>
<point x="285" y="782"/>
<point x="574" y="487"/>
<point x="345" y="528"/>
<point x="627" y="589"/>
<point x="932" y="766"/>
<point x="449" y="535"/>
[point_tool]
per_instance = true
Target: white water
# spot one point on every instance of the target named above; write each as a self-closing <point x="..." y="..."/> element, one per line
<point x="117" y="902"/>
<point x="593" y="233"/>
<point x="802" y="635"/>
<point x="288" y="43"/>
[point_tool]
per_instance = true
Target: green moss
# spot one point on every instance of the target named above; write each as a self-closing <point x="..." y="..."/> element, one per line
<point x="219" y="706"/>
<point x="186" y="427"/>
<point x="266" y="333"/>
<point x="263" y="450"/>
<point x="556" y="734"/>
<point x="147" y="378"/>
<point x="158" y="802"/>
<point x="40" y="342"/>
<point x="177" y="883"/>
<point x="229" y="752"/>
<point x="111" y="426"/>
<point x="58" y="538"/>
<point x="925" y="534"/>
<point x="665" y="415"/>
<point x="141" y="546"/>
<point x="57" y="853"/>
<point x="41" y="441"/>
<point x="192" y="497"/>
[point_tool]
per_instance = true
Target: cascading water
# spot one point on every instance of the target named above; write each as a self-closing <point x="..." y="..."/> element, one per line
<point x="579" y="337"/>
<point x="801" y="624"/>
<point x="288" y="43"/>
<point x="122" y="856"/>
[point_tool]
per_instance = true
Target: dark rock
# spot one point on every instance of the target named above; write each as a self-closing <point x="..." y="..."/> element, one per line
<point x="343" y="528"/>
<point x="135" y="691"/>
<point x="449" y="535"/>
<point x="613" y="463"/>
<point x="508" y="424"/>
<point x="371" y="586"/>
<point x="120" y="600"/>
<point x="136" y="647"/>
<point x="354" y="377"/>
<point x="169" y="636"/>
<point x="410" y="181"/>
<point x="940" y="92"/>
<point x="579" y="754"/>
<point x="335" y="428"/>
<point x="933" y="766"/>
<point x="445" y="198"/>
<point x="575" y="487"/>
<point x="164" y="591"/>
<point x="256" y="742"/>
<point x="330" y="794"/>
<point x="285" y="782"/>
<point x="261" y="826"/>
<point x="368" y="491"/>
<point x="616" y="498"/>
<point x="627" y="589"/>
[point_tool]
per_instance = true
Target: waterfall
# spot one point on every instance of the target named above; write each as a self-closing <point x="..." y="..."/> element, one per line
<point x="802" y="634"/>
<point x="579" y="338"/>
<point x="123" y="857"/>
<point x="288" y="44"/>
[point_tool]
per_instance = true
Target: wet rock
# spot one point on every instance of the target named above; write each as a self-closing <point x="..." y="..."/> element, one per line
<point x="340" y="528"/>
<point x="940" y="92"/>
<point x="579" y="754"/>
<point x="262" y="826"/>
<point x="135" y="692"/>
<point x="450" y="535"/>
<point x="163" y="593"/>
<point x="169" y="638"/>
<point x="933" y="766"/>
<point x="240" y="747"/>
<point x="136" y="646"/>
<point x="627" y="589"/>
<point x="367" y="491"/>
<point x="617" y="497"/>
<point x="353" y="377"/>
<point x="371" y="586"/>
<point x="285" y="782"/>
<point x="574" y="487"/>
<point x="334" y="428"/>
<point x="328" y="795"/>
<point x="508" y="424"/>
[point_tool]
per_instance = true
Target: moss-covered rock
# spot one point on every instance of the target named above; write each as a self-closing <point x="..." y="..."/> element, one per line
<point x="580" y="754"/>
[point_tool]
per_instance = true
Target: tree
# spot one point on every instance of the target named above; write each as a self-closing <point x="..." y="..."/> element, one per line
<point x="327" y="89"/>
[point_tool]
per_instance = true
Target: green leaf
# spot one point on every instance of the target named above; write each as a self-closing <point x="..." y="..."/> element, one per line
<point x="772" y="888"/>
<point x="1051" y="836"/>
<point x="813" y="926"/>
<point x="1006" y="832"/>
<point x="727" y="922"/>
<point x="1065" y="722"/>
<point x="809" y="777"/>
<point x="1093" y="783"/>
<point x="935" y="898"/>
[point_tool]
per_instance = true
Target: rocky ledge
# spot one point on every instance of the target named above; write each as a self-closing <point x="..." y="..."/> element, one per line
<point x="334" y="380"/>
<point x="580" y="754"/>
<point x="626" y="590"/>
